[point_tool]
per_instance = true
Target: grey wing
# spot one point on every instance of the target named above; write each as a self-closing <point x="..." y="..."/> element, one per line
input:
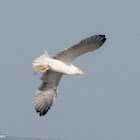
<point x="47" y="92"/>
<point x="87" y="45"/>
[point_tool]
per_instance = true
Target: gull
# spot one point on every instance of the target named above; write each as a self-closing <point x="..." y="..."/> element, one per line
<point x="54" y="67"/>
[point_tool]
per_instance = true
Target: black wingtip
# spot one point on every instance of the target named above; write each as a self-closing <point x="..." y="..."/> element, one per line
<point x="42" y="113"/>
<point x="103" y="39"/>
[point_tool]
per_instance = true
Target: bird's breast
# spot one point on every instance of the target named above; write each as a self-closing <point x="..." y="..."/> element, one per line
<point x="59" y="66"/>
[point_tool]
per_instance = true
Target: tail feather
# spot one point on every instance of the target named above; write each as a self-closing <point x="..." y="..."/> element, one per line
<point x="40" y="61"/>
<point x="46" y="54"/>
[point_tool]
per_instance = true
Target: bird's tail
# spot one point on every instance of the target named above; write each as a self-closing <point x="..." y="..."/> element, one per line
<point x="40" y="64"/>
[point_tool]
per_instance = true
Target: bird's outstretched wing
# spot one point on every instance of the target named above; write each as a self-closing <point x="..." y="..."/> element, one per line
<point x="47" y="92"/>
<point x="86" y="45"/>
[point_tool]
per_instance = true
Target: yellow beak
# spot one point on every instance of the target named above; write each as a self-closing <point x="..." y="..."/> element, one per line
<point x="83" y="73"/>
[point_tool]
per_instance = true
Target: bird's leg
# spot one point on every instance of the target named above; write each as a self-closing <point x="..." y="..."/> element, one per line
<point x="41" y="69"/>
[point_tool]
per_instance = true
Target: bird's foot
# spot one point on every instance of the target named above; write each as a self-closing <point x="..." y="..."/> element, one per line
<point x="41" y="69"/>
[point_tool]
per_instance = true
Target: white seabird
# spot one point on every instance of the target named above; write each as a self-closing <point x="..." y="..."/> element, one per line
<point x="58" y="65"/>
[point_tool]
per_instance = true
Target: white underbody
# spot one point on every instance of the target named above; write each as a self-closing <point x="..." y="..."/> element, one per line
<point x="55" y="65"/>
<point x="59" y="66"/>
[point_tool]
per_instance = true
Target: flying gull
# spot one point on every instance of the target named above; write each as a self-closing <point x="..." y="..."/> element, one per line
<point x="54" y="67"/>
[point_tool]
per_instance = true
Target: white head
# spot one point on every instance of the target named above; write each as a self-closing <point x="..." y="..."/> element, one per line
<point x="78" y="71"/>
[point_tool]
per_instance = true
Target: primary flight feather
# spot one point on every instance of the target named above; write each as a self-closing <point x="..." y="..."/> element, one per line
<point x="53" y="69"/>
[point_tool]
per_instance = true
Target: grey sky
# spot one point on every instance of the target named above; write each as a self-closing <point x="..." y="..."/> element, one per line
<point x="102" y="105"/>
